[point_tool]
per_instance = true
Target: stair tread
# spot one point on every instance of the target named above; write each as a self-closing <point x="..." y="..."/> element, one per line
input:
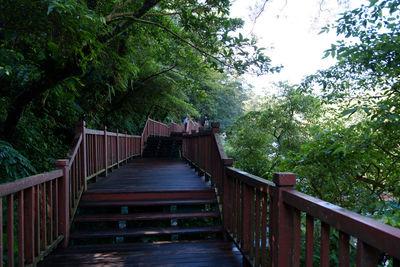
<point x="144" y="231"/>
<point x="98" y="203"/>
<point x="144" y="216"/>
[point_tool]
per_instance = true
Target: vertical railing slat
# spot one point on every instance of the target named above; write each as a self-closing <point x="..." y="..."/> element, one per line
<point x="50" y="213"/>
<point x="258" y="228"/>
<point x="264" y="223"/>
<point x="21" y="229"/>
<point x="37" y="220"/>
<point x="251" y="222"/>
<point x="43" y="216"/>
<point x="324" y="250"/>
<point x="367" y="256"/>
<point x="29" y="225"/>
<point x="10" y="229"/>
<point x="1" y="232"/>
<point x="309" y="240"/>
<point x="344" y="249"/>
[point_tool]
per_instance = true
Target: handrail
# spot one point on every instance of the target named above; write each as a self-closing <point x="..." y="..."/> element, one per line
<point x="264" y="218"/>
<point x="47" y="202"/>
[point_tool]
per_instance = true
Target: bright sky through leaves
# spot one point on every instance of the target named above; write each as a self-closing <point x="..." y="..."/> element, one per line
<point x="289" y="30"/>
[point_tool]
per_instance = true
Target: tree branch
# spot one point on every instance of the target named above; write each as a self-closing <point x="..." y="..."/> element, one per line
<point x="179" y="38"/>
<point x="147" y="5"/>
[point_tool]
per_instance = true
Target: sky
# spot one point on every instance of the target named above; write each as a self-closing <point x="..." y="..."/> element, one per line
<point x="289" y="29"/>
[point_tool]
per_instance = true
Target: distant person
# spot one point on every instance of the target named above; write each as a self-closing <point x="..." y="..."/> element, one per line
<point x="186" y="122"/>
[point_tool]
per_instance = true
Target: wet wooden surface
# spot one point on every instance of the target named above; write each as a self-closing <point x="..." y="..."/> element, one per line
<point x="150" y="175"/>
<point x="188" y="253"/>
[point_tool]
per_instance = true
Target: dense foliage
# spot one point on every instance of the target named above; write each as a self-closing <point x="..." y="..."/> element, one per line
<point x="346" y="143"/>
<point x="115" y="63"/>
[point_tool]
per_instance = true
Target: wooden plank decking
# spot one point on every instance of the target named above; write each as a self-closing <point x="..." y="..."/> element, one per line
<point x="186" y="253"/>
<point x="148" y="182"/>
<point x="150" y="175"/>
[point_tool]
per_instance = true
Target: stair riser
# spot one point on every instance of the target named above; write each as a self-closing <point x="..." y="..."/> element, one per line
<point x="102" y="196"/>
<point x="144" y="217"/>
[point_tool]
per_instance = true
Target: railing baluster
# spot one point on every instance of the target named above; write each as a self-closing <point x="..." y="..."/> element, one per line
<point x="309" y="240"/>
<point x="1" y="232"/>
<point x="296" y="235"/>
<point x="64" y="213"/>
<point x="50" y="213"/>
<point x="367" y="256"/>
<point x="29" y="225"/>
<point x="251" y="222"/>
<point x="246" y="194"/>
<point x="21" y="228"/>
<point x="258" y="228"/>
<point x="37" y="221"/>
<point x="396" y="262"/>
<point x="324" y="250"/>
<point x="344" y="249"/>
<point x="10" y="230"/>
<point x="264" y="223"/>
<point x="56" y="206"/>
<point x="43" y="217"/>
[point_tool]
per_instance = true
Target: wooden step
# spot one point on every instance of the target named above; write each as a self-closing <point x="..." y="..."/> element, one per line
<point x="144" y="216"/>
<point x="141" y="203"/>
<point x="145" y="232"/>
<point x="108" y="195"/>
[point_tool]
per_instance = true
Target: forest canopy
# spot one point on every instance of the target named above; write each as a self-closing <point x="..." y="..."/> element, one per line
<point x="116" y="63"/>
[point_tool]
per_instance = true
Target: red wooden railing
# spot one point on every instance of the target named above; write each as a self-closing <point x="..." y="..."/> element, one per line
<point x="43" y="206"/>
<point x="264" y="218"/>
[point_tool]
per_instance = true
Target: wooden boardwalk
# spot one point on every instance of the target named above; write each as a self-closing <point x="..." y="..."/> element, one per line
<point x="150" y="175"/>
<point x="184" y="253"/>
<point x="148" y="187"/>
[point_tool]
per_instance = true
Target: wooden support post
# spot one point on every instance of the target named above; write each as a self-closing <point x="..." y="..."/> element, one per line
<point x="29" y="225"/>
<point x="82" y="129"/>
<point x="117" y="149"/>
<point x="10" y="229"/>
<point x="105" y="151"/>
<point x="367" y="256"/>
<point x="283" y="224"/>
<point x="63" y="194"/>
<point x="126" y="147"/>
<point x="227" y="205"/>
<point x="215" y="127"/>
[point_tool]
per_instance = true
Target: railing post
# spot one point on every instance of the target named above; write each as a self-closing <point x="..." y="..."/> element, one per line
<point x="126" y="147"/>
<point x="105" y="151"/>
<point x="215" y="127"/>
<point x="63" y="194"/>
<point x="226" y="205"/>
<point x="283" y="237"/>
<point x="82" y="130"/>
<point x="117" y="149"/>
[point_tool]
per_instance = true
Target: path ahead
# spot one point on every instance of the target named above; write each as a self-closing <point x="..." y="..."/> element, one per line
<point x="149" y="199"/>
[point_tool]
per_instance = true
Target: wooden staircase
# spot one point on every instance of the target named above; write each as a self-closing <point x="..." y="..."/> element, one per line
<point x="129" y="220"/>
<point x="120" y="217"/>
<point x="154" y="211"/>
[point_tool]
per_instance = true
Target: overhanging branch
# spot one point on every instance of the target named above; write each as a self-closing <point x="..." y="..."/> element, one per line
<point x="180" y="38"/>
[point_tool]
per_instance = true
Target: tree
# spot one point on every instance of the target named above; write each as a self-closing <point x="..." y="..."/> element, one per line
<point x="260" y="140"/>
<point x="75" y="43"/>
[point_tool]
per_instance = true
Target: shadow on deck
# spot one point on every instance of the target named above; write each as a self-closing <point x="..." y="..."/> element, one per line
<point x="150" y="212"/>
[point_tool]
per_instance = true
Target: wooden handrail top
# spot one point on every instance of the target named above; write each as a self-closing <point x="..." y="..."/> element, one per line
<point x="75" y="148"/>
<point x="250" y="179"/>
<point x="221" y="150"/>
<point x="158" y="122"/>
<point x="18" y="185"/>
<point x="99" y="132"/>
<point x="96" y="132"/>
<point x="382" y="236"/>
